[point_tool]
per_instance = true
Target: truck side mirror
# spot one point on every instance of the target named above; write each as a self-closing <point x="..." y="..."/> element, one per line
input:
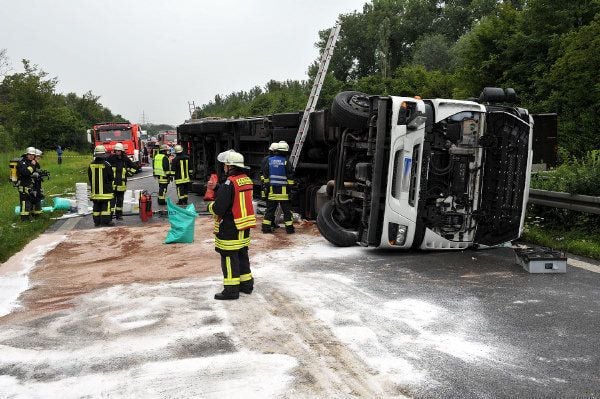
<point x="89" y="135"/>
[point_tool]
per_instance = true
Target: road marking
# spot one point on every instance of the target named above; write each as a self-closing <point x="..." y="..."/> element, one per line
<point x="68" y="225"/>
<point x="138" y="178"/>
<point x="583" y="265"/>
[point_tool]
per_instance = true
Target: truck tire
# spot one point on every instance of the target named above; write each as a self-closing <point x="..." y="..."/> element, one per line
<point x="351" y="109"/>
<point x="331" y="229"/>
<point x="492" y="95"/>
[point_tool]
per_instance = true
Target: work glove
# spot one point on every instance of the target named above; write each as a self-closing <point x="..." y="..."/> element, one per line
<point x="35" y="175"/>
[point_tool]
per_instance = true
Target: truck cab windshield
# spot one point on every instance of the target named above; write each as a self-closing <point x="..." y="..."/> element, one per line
<point x="114" y="135"/>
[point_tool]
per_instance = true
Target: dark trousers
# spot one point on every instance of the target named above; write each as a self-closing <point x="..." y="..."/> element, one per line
<point x="236" y="270"/>
<point x="59" y="159"/>
<point x="269" y="218"/>
<point x="162" y="193"/>
<point x="101" y="212"/>
<point x="182" y="193"/>
<point x="25" y="201"/>
<point x="116" y="203"/>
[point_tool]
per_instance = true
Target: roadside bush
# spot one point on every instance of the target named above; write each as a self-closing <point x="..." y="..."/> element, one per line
<point x="575" y="176"/>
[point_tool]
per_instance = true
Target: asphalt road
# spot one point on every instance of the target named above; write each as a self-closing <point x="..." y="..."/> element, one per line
<point x="536" y="335"/>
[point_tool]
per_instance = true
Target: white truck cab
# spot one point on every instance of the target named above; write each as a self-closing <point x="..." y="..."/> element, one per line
<point x="431" y="174"/>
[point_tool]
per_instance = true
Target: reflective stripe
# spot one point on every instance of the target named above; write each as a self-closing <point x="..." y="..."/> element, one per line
<point x="266" y="222"/>
<point x="289" y="223"/>
<point x="245" y="277"/>
<point x="183" y="172"/>
<point x="210" y="207"/>
<point x="24" y="211"/>
<point x="278" y="179"/>
<point x="231" y="245"/>
<point x="229" y="279"/>
<point x="283" y="196"/>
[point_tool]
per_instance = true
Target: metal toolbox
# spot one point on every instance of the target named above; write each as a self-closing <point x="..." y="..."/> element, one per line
<point x="541" y="260"/>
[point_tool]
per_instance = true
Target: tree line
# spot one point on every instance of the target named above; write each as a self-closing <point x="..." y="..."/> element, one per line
<point x="33" y="114"/>
<point x="547" y="50"/>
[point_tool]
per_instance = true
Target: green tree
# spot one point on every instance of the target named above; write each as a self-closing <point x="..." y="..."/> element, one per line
<point x="574" y="89"/>
<point x="433" y="52"/>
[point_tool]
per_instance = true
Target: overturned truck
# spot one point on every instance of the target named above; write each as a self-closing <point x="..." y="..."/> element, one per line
<point x="395" y="172"/>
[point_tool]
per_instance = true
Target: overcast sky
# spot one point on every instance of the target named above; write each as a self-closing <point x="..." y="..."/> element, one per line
<point x="154" y="56"/>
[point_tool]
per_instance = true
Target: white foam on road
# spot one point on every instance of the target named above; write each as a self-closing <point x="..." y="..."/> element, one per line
<point x="14" y="273"/>
<point x="394" y="337"/>
<point x="138" y="340"/>
<point x="244" y="374"/>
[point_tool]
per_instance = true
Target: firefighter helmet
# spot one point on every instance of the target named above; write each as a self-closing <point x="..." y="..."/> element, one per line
<point x="178" y="149"/>
<point x="164" y="147"/>
<point x="283" y="146"/>
<point x="38" y="153"/>
<point x="30" y="151"/>
<point x="273" y="146"/>
<point x="232" y="158"/>
<point x="99" y="150"/>
<point x="119" y="147"/>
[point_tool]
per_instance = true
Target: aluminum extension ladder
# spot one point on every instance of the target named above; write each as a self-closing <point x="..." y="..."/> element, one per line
<point x="314" y="94"/>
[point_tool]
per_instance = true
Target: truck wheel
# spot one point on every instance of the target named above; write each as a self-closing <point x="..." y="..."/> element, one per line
<point x="351" y="109"/>
<point x="492" y="95"/>
<point x="332" y="230"/>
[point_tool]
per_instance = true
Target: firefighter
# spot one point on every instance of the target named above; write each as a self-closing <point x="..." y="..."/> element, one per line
<point x="162" y="172"/>
<point x="264" y="186"/>
<point x="277" y="176"/>
<point x="234" y="217"/>
<point x="100" y="177"/>
<point x="122" y="168"/>
<point x="37" y="194"/>
<point x="180" y="168"/>
<point x="27" y="173"/>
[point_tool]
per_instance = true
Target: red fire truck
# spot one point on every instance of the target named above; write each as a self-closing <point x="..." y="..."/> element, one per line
<point x="109" y="134"/>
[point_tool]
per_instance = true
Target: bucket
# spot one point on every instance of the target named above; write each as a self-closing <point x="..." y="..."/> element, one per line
<point x="62" y="204"/>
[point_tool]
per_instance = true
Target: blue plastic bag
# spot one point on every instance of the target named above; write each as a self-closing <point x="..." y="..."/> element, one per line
<point x="182" y="223"/>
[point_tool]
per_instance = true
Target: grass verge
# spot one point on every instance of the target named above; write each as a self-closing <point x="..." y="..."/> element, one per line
<point x="14" y="234"/>
<point x="574" y="241"/>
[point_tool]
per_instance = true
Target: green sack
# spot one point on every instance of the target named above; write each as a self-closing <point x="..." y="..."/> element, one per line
<point x="182" y="223"/>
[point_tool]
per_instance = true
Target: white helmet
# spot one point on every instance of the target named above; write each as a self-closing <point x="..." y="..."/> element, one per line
<point x="30" y="151"/>
<point x="119" y="147"/>
<point x="38" y="153"/>
<point x="232" y="158"/>
<point x="283" y="146"/>
<point x="99" y="150"/>
<point x="178" y="149"/>
<point x="273" y="146"/>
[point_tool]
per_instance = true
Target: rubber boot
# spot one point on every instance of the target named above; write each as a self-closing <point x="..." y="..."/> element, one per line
<point x="229" y="292"/>
<point x="267" y="229"/>
<point x="290" y="229"/>
<point x="247" y="287"/>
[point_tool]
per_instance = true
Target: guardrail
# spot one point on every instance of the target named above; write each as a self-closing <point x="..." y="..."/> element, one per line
<point x="574" y="202"/>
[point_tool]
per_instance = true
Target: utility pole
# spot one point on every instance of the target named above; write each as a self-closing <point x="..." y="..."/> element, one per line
<point x="143" y="118"/>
